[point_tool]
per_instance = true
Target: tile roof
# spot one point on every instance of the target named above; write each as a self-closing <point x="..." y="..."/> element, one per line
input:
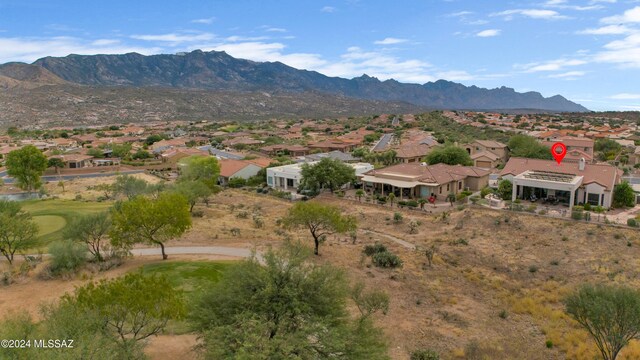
<point x="603" y="174"/>
<point x="439" y="173"/>
<point x="228" y="167"/>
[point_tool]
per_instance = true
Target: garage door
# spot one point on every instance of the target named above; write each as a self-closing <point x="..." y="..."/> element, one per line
<point x="483" y="164"/>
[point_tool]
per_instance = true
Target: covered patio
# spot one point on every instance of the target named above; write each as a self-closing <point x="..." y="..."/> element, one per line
<point x="402" y="189"/>
<point x="548" y="187"/>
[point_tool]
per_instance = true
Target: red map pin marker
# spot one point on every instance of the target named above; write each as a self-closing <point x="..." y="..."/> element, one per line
<point x="558" y="150"/>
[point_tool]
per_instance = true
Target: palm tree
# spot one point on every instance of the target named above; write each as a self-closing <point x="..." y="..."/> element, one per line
<point x="422" y="202"/>
<point x="359" y="194"/>
<point x="390" y="198"/>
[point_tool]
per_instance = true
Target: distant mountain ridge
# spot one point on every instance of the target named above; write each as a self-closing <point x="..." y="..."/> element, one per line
<point x="216" y="70"/>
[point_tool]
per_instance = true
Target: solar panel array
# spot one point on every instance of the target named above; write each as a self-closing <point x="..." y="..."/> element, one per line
<point x="550" y="176"/>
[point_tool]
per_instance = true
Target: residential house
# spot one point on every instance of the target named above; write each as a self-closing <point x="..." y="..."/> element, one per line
<point x="418" y="180"/>
<point x="75" y="161"/>
<point x="334" y="144"/>
<point x="282" y="149"/>
<point x="172" y="156"/>
<point x="236" y="169"/>
<point x="336" y="155"/>
<point x="412" y="152"/>
<point x="288" y="177"/>
<point x="487" y="153"/>
<point x="577" y="148"/>
<point x="570" y="183"/>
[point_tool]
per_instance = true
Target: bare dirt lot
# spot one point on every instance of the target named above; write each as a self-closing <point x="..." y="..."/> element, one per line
<point x="495" y="288"/>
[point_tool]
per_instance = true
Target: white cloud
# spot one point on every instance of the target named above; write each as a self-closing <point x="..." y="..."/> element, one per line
<point x="628" y="17"/>
<point x="237" y="38"/>
<point x="203" y="21"/>
<point x="31" y="49"/>
<point x="275" y="29"/>
<point x="390" y="41"/>
<point x="460" y="14"/>
<point x="569" y="75"/>
<point x="379" y="64"/>
<point x="607" y="30"/>
<point x="455" y="75"/>
<point x="531" y="13"/>
<point x="261" y="51"/>
<point x="553" y="65"/>
<point x="488" y="33"/>
<point x="562" y="4"/>
<point x="176" y="38"/>
<point x="328" y="9"/>
<point x="105" y="42"/>
<point x="625" y="96"/>
<point x="625" y="52"/>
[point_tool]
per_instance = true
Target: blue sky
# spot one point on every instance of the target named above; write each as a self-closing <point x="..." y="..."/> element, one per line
<point x="585" y="50"/>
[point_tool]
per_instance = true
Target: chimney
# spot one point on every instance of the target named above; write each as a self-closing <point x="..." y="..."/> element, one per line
<point x="581" y="164"/>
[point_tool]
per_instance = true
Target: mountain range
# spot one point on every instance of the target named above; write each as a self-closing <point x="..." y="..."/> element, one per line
<point x="215" y="71"/>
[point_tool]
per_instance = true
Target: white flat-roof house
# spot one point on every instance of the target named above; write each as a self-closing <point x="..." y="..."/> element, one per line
<point x="569" y="183"/>
<point x="288" y="177"/>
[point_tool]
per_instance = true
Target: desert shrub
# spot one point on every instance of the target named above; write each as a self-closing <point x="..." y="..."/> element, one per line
<point x="413" y="227"/>
<point x="542" y="212"/>
<point x="632" y="222"/>
<point x="587" y="207"/>
<point x="397" y="217"/>
<point x="577" y="214"/>
<point x="503" y="314"/>
<point x="386" y="259"/>
<point x="548" y="344"/>
<point x="237" y="182"/>
<point x="242" y="215"/>
<point x="197" y="213"/>
<point x="67" y="257"/>
<point x="235" y="231"/>
<point x="460" y="241"/>
<point x="533" y="269"/>
<point x="486" y="191"/>
<point x="425" y="354"/>
<point x="370" y="250"/>
<point x="474" y="199"/>
<point x="412" y="203"/>
<point x="531" y="208"/>
<point x="258" y="223"/>
<point x="6" y="278"/>
<point x="463" y="194"/>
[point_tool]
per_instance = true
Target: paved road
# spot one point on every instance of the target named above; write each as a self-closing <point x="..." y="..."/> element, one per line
<point x="8" y="180"/>
<point x="182" y="250"/>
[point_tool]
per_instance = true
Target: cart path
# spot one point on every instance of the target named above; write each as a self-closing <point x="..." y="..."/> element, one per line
<point x="404" y="243"/>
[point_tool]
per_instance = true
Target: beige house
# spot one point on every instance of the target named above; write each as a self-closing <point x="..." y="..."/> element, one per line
<point x="418" y="180"/>
<point x="577" y="148"/>
<point x="412" y="153"/>
<point x="487" y="153"/>
<point x="568" y="183"/>
<point x="230" y="168"/>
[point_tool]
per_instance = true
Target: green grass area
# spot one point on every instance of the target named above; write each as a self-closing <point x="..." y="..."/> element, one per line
<point x="49" y="224"/>
<point x="53" y="216"/>
<point x="190" y="276"/>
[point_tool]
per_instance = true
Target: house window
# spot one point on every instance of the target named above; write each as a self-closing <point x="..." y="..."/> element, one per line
<point x="460" y="185"/>
<point x="270" y="180"/>
<point x="448" y="187"/>
<point x="593" y="199"/>
<point x="440" y="189"/>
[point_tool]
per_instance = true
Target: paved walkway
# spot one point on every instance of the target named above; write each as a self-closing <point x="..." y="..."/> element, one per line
<point x="406" y="244"/>
<point x="182" y="250"/>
